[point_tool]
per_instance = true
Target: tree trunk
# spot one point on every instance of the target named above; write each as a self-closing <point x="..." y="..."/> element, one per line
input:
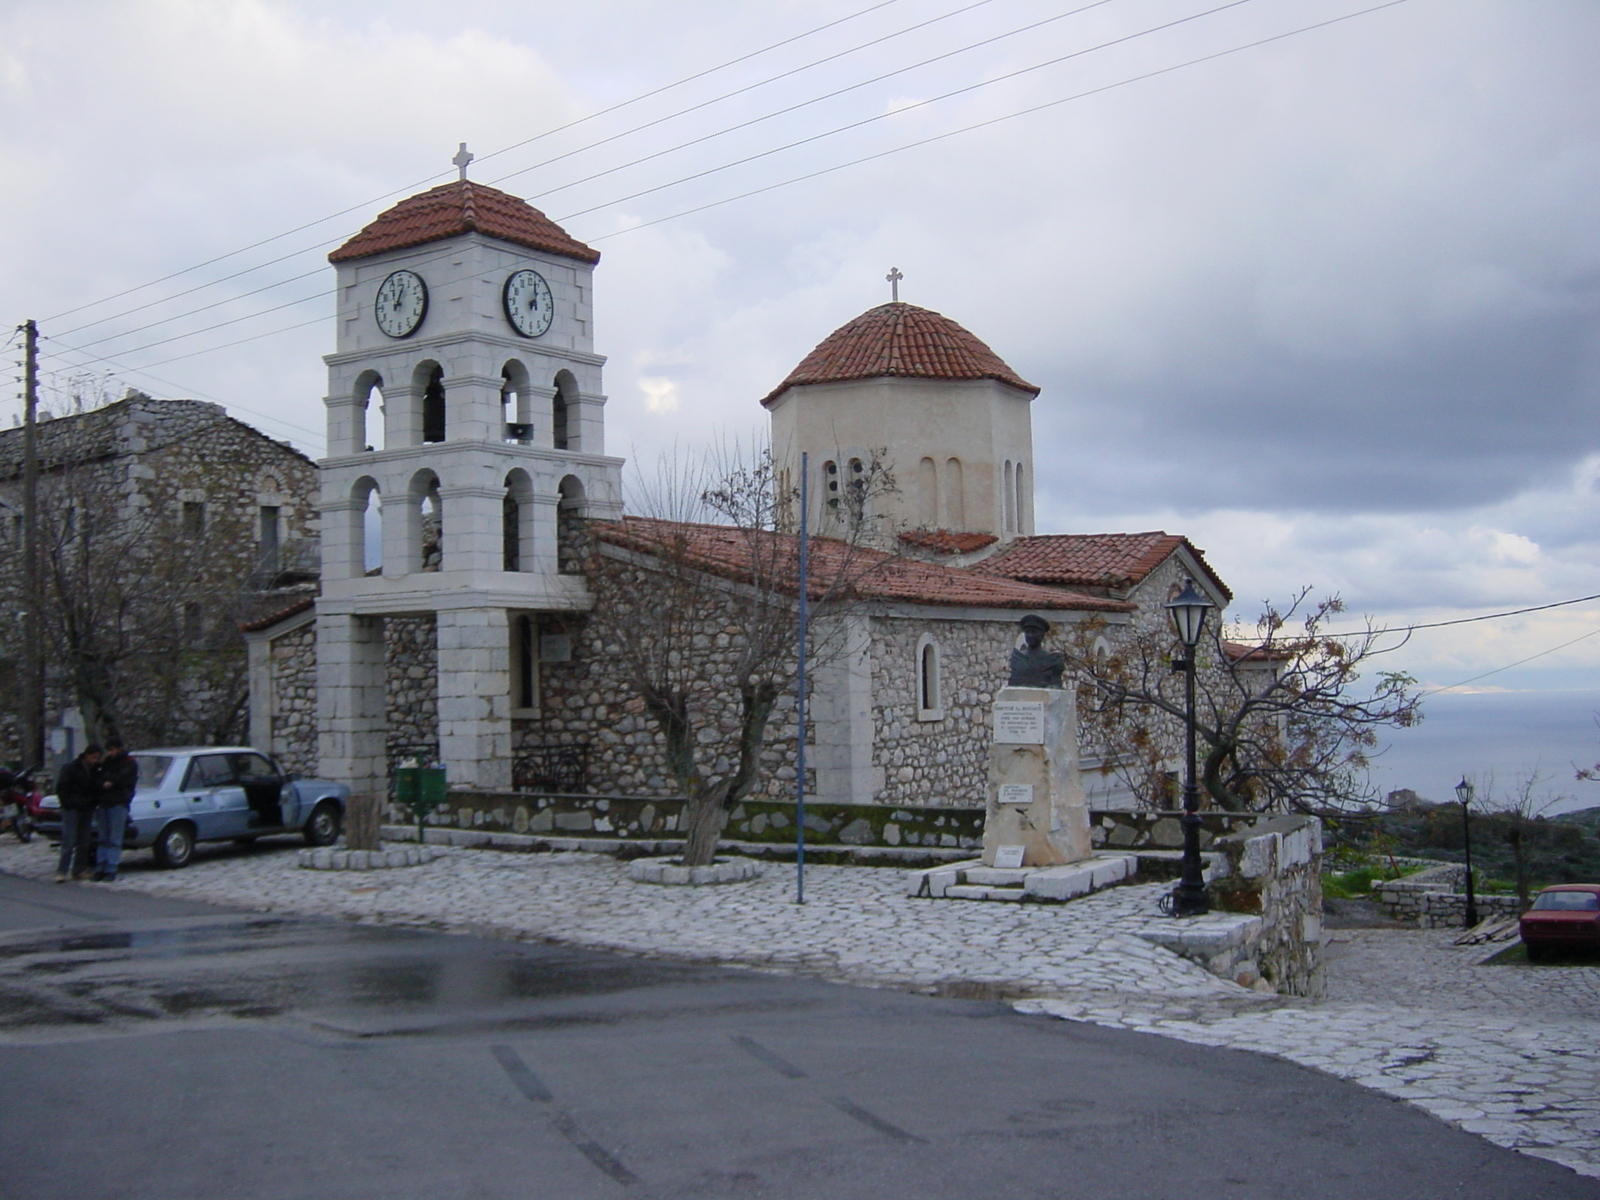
<point x="363" y="818"/>
<point x="707" y="817"/>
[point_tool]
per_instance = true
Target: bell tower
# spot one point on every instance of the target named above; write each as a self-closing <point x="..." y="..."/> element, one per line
<point x="466" y="434"/>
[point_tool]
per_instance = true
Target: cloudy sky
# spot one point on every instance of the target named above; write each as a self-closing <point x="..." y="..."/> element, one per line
<point x="1325" y="301"/>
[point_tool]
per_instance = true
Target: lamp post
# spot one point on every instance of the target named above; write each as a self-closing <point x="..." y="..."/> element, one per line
<point x="1189" y="608"/>
<point x="1464" y="794"/>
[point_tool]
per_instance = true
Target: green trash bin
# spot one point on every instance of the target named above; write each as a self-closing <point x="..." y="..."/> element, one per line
<point x="421" y="790"/>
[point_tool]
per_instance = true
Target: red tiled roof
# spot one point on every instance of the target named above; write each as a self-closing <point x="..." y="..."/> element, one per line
<point x="727" y="551"/>
<point x="282" y="614"/>
<point x="463" y="207"/>
<point x="944" y="541"/>
<point x="900" y="340"/>
<point x="1240" y="652"/>
<point x="1108" y="560"/>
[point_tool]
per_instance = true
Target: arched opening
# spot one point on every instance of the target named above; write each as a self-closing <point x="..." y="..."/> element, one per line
<point x="830" y="489"/>
<point x="564" y="412"/>
<point x="366" y="533"/>
<point x="955" y="504"/>
<point x="433" y="416"/>
<point x="516" y="530"/>
<point x="515" y="408"/>
<point x="930" y="700"/>
<point x="570" y="515"/>
<point x="368" y="433"/>
<point x="927" y="493"/>
<point x="1022" y="503"/>
<point x="425" y="523"/>
<point x="1008" y="502"/>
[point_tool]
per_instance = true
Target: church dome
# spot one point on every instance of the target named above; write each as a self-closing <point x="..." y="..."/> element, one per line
<point x="463" y="207"/>
<point x="902" y="340"/>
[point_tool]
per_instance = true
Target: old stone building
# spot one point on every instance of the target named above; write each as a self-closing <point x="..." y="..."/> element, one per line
<point x="467" y="486"/>
<point x="161" y="524"/>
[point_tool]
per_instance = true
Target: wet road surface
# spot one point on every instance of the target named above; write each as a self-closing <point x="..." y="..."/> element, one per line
<point x="153" y="1048"/>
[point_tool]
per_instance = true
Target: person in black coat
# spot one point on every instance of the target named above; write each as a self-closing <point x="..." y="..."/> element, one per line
<point x="117" y="779"/>
<point x="78" y="789"/>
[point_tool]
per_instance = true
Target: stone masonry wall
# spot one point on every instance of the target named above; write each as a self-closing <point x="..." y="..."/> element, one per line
<point x="944" y="762"/>
<point x="1434" y="899"/>
<point x="1273" y="870"/>
<point x="294" y="699"/>
<point x="411" y="684"/>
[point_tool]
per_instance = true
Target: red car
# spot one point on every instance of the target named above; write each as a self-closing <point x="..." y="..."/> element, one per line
<point x="1563" y="918"/>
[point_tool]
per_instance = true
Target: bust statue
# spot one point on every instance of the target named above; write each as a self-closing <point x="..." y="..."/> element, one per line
<point x="1031" y="664"/>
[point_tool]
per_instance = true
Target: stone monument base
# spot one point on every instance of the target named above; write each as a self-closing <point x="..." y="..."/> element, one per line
<point x="1040" y="885"/>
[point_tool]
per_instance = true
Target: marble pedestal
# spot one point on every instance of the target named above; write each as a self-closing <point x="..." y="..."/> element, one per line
<point x="1036" y="799"/>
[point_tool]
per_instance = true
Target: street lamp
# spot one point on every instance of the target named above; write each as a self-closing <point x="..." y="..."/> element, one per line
<point x="1189" y="608"/>
<point x="1464" y="794"/>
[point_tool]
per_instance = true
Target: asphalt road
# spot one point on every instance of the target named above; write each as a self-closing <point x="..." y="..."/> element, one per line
<point x="158" y="1049"/>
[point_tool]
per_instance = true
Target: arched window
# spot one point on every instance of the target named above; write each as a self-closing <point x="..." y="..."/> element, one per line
<point x="1022" y="503"/>
<point x="1008" y="501"/>
<point x="930" y="698"/>
<point x="514" y="403"/>
<point x="433" y="428"/>
<point x="366" y="528"/>
<point x="955" y="502"/>
<point x="928" y="493"/>
<point x="517" y="528"/>
<point x="563" y="413"/>
<point x="830" y="488"/>
<point x="368" y="432"/>
<point x="570" y="515"/>
<point x="424" y="524"/>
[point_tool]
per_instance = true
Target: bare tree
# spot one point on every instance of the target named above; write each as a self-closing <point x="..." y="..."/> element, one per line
<point x="1525" y="801"/>
<point x="1281" y="721"/>
<point x="137" y="611"/>
<point x="705" y="617"/>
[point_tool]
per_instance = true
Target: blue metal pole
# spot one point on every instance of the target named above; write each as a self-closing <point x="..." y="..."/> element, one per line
<point x="800" y="689"/>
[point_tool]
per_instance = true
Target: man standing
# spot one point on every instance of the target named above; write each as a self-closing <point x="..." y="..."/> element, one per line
<point x="78" y="789"/>
<point x="119" y="776"/>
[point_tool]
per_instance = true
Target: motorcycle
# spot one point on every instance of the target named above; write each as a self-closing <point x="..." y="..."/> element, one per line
<point x="19" y="804"/>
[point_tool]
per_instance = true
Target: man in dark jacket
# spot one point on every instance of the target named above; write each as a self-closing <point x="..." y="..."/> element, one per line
<point x="78" y="789"/>
<point x="119" y="776"/>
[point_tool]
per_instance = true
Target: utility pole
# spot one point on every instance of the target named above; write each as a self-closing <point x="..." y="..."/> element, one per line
<point x="33" y="669"/>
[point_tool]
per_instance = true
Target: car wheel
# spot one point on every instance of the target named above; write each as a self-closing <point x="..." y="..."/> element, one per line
<point x="175" y="846"/>
<point x="323" y="827"/>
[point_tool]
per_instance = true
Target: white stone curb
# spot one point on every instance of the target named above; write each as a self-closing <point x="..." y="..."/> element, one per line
<point x="667" y="870"/>
<point x="367" y="860"/>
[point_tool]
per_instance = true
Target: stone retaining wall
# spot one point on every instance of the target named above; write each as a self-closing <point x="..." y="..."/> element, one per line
<point x="1273" y="869"/>
<point x="1434" y="899"/>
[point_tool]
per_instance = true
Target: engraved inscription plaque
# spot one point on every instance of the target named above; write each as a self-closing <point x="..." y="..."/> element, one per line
<point x="1009" y="858"/>
<point x="1019" y="722"/>
<point x="1016" y="793"/>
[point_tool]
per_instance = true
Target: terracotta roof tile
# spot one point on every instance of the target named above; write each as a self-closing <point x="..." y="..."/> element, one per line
<point x="725" y="551"/>
<point x="1104" y="560"/>
<point x="279" y="608"/>
<point x="463" y="207"/>
<point x="944" y="541"/>
<point x="900" y="340"/>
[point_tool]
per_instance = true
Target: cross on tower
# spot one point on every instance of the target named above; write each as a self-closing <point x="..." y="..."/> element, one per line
<point x="462" y="158"/>
<point x="894" y="277"/>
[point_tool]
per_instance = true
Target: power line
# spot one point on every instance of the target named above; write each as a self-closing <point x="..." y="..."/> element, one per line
<point x="437" y="175"/>
<point x="884" y="116"/>
<point x="1508" y="666"/>
<point x="991" y="121"/>
<point x="1515" y="612"/>
<point x="557" y="158"/>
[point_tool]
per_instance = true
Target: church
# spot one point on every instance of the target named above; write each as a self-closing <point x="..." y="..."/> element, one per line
<point x="467" y="481"/>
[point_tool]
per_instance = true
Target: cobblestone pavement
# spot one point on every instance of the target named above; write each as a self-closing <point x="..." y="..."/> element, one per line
<point x="1511" y="1053"/>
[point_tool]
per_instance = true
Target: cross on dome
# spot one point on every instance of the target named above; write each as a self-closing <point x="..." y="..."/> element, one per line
<point x="462" y="158"/>
<point x="894" y="277"/>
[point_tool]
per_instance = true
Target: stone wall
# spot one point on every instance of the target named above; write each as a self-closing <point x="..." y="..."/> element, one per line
<point x="942" y="762"/>
<point x="1433" y="899"/>
<point x="752" y="821"/>
<point x="411" y="685"/>
<point x="1273" y="870"/>
<point x="293" y="719"/>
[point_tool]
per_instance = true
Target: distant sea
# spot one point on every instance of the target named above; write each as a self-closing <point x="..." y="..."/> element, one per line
<point x="1509" y="733"/>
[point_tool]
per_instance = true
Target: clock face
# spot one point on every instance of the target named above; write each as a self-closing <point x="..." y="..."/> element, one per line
<point x="402" y="303"/>
<point x="529" y="306"/>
